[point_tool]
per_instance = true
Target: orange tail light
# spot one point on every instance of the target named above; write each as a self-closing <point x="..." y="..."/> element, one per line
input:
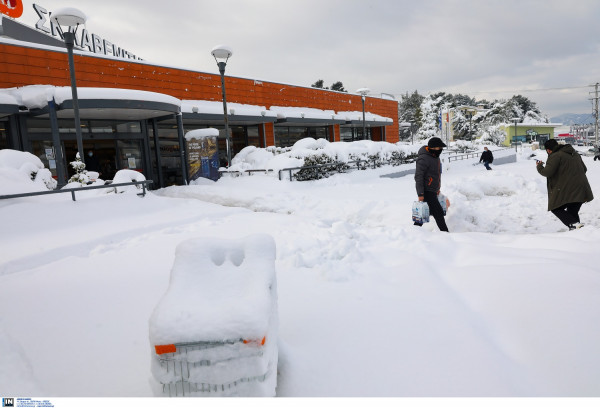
<point x="167" y="348"/>
<point x="258" y="342"/>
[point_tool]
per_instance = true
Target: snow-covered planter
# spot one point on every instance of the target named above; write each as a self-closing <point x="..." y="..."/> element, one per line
<point x="128" y="176"/>
<point x="214" y="333"/>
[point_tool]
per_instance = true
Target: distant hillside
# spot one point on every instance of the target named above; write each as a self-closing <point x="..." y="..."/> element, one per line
<point x="573" y="118"/>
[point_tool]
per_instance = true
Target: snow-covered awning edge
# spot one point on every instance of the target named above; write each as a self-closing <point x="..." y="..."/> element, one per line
<point x="216" y="108"/>
<point x="37" y="96"/>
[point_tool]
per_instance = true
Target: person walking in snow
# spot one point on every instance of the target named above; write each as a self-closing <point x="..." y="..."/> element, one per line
<point x="568" y="186"/>
<point x="487" y="158"/>
<point x="428" y="179"/>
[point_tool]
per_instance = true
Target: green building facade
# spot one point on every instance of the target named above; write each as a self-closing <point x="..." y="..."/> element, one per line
<point x="529" y="132"/>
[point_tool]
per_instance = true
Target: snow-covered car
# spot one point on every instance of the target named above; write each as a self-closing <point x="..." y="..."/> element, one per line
<point x="214" y="332"/>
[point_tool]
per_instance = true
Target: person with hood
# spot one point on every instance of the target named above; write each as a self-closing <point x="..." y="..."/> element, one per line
<point x="487" y="158"/>
<point x="568" y="186"/>
<point x="428" y="177"/>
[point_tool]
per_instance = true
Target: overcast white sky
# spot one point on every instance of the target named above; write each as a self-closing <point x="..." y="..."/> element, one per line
<point x="547" y="50"/>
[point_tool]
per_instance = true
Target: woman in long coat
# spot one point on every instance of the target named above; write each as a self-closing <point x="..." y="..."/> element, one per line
<point x="568" y="186"/>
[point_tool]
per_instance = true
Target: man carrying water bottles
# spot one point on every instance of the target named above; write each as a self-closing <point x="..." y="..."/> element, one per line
<point x="428" y="177"/>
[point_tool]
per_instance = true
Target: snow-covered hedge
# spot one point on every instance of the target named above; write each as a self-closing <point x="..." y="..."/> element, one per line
<point x="332" y="157"/>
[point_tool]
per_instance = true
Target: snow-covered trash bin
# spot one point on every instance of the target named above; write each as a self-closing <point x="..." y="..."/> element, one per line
<point x="214" y="332"/>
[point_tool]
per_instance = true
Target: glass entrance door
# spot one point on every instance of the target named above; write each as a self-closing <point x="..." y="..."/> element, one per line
<point x="103" y="159"/>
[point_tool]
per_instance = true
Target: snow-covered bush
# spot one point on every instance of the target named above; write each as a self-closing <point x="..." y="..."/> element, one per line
<point x="331" y="157"/>
<point x="327" y="165"/>
<point x="493" y="135"/>
<point x="462" y="146"/>
<point x="22" y="172"/>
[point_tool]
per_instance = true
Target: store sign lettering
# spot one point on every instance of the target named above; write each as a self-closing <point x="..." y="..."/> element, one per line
<point x="84" y="39"/>
<point x="11" y="8"/>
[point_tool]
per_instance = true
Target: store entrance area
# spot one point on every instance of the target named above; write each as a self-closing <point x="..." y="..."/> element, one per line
<point x="106" y="156"/>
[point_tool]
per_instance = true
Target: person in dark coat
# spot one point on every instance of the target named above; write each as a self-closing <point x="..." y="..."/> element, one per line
<point x="91" y="162"/>
<point x="428" y="179"/>
<point x="487" y="158"/>
<point x="568" y="186"/>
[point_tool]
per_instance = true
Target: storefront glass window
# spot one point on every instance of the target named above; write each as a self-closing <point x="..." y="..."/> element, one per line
<point x="45" y="152"/>
<point x="130" y="155"/>
<point x="101" y="127"/>
<point x="253" y="136"/>
<point x="104" y="126"/>
<point x="170" y="157"/>
<point x="129" y="127"/>
<point x="37" y="126"/>
<point x="286" y="136"/>
<point x="348" y="134"/>
<point x="3" y="134"/>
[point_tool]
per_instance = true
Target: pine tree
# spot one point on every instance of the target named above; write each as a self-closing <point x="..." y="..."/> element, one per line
<point x="80" y="175"/>
<point x="409" y="110"/>
<point x="319" y="84"/>
<point x="338" y="86"/>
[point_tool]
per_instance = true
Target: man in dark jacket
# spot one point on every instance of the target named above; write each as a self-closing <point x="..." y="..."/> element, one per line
<point x="428" y="177"/>
<point x="486" y="157"/>
<point x="568" y="186"/>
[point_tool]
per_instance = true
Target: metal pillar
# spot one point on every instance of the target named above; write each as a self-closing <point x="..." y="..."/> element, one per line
<point x="70" y="42"/>
<point x="222" y="66"/>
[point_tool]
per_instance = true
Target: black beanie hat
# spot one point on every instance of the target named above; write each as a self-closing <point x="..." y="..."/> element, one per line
<point x="551" y="144"/>
<point x="435" y="142"/>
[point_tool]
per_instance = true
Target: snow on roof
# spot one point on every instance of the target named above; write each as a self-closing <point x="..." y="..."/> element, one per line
<point x="284" y="112"/>
<point x="216" y="107"/>
<point x="62" y="94"/>
<point x="534" y="124"/>
<point x="37" y="96"/>
<point x="369" y="117"/>
<point x="201" y="133"/>
<point x="7" y="99"/>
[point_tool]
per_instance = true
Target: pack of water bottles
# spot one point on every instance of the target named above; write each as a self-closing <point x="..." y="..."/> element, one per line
<point x="420" y="209"/>
<point x="444" y="202"/>
<point x="420" y="212"/>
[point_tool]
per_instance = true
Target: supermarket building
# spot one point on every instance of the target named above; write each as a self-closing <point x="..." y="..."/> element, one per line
<point x="135" y="114"/>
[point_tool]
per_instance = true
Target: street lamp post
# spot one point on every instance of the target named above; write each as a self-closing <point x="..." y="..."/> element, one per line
<point x="363" y="92"/>
<point x="222" y="54"/>
<point x="516" y="120"/>
<point x="71" y="18"/>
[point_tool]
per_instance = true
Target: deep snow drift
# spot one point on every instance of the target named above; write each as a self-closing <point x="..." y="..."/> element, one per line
<point x="506" y="304"/>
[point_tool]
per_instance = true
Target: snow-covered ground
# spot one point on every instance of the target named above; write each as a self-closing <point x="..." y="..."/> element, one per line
<point x="506" y="304"/>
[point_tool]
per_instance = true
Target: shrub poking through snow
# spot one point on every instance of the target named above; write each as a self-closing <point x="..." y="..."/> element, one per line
<point x="326" y="166"/>
<point x="80" y="175"/>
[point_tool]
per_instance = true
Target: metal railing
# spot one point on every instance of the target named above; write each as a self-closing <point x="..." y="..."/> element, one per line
<point x="237" y="172"/>
<point x="465" y="156"/>
<point x="462" y="156"/>
<point x="144" y="185"/>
